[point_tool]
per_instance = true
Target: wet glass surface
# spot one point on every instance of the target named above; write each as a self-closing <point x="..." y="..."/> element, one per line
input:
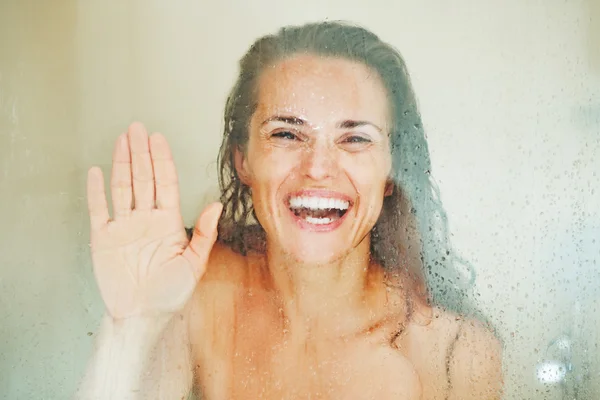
<point x="504" y="186"/>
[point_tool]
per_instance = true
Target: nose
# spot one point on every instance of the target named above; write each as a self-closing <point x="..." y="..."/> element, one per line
<point x="320" y="162"/>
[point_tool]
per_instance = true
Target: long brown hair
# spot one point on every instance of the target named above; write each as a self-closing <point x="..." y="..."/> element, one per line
<point x="409" y="239"/>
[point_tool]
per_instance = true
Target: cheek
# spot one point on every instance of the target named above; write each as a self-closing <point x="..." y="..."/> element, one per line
<point x="270" y="167"/>
<point x="270" y="172"/>
<point x="370" y="173"/>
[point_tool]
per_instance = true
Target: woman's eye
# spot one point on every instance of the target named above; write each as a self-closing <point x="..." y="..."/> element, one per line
<point x="285" y="135"/>
<point x="356" y="139"/>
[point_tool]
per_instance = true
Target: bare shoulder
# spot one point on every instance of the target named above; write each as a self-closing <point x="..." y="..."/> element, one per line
<point x="224" y="273"/>
<point x="475" y="365"/>
<point x="213" y="300"/>
<point x="454" y="354"/>
<point x="211" y="318"/>
<point x="224" y="265"/>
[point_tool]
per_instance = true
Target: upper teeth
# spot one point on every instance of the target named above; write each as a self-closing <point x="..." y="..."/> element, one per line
<point x="318" y="203"/>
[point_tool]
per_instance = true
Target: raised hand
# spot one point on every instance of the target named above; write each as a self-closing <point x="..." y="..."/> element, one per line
<point x="143" y="263"/>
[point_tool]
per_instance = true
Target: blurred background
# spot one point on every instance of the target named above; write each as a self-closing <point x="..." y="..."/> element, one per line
<point x="510" y="98"/>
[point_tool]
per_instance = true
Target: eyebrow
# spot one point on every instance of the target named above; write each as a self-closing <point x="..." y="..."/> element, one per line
<point x="347" y="124"/>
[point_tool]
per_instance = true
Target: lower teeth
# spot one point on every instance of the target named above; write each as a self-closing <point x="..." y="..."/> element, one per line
<point x="318" y="221"/>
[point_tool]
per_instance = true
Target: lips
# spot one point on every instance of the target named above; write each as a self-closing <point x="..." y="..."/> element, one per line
<point x="318" y="209"/>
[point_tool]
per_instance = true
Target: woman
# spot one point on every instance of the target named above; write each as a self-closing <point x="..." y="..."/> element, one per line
<point x="313" y="286"/>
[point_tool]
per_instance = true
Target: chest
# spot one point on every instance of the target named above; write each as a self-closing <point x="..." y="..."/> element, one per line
<point x="256" y="358"/>
<point x="357" y="369"/>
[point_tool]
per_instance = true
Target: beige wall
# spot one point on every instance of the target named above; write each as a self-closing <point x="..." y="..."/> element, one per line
<point x="510" y="96"/>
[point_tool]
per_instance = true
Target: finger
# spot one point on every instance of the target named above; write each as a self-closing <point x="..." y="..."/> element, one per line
<point x="96" y="196"/>
<point x="120" y="181"/>
<point x="165" y="174"/>
<point x="141" y="168"/>
<point x="205" y="234"/>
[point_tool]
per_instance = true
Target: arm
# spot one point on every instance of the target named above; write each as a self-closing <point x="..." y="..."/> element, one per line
<point x="476" y="365"/>
<point x="139" y="359"/>
<point x="146" y="270"/>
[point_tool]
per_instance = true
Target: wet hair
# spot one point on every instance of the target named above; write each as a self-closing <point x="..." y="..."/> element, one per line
<point x="410" y="238"/>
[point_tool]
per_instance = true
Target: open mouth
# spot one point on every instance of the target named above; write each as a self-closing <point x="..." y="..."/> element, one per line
<point x="318" y="210"/>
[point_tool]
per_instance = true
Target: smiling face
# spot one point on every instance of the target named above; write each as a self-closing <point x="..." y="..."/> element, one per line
<point x="318" y="156"/>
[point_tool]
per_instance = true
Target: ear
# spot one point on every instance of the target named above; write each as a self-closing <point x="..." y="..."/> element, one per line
<point x="389" y="188"/>
<point x="241" y="166"/>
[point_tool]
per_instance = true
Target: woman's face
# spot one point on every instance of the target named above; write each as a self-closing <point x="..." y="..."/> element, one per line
<point x="318" y="156"/>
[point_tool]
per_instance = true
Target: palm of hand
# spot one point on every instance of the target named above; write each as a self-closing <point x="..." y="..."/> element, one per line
<point x="140" y="264"/>
<point x="143" y="263"/>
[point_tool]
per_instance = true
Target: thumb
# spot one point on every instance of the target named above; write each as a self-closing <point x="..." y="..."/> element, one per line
<point x="203" y="239"/>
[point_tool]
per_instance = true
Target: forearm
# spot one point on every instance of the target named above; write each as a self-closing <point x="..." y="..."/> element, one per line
<point x="122" y="356"/>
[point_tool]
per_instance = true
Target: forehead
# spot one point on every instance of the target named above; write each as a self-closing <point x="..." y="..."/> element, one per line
<point x="321" y="88"/>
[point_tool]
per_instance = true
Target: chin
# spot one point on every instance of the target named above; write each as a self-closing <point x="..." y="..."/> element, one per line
<point x="316" y="251"/>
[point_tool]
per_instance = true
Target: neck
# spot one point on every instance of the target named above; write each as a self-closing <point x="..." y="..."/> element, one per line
<point x="325" y="299"/>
